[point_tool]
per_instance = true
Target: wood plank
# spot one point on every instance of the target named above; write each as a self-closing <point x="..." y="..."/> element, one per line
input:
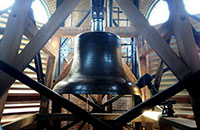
<point x="178" y="122"/>
<point x="11" y="41"/>
<point x="71" y="32"/>
<point x="154" y="39"/>
<point x="128" y="72"/>
<point x="16" y="125"/>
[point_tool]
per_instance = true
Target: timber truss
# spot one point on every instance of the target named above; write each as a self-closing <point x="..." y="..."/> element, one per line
<point x="185" y="66"/>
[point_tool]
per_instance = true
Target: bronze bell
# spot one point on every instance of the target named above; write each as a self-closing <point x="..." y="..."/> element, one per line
<point x="97" y="67"/>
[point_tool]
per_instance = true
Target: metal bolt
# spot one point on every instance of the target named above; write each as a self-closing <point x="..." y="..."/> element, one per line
<point x="182" y="17"/>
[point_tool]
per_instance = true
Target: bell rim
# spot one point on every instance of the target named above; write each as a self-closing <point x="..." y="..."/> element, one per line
<point x="94" y="87"/>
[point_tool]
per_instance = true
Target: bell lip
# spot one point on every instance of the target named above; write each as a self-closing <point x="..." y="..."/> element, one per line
<point x="102" y="88"/>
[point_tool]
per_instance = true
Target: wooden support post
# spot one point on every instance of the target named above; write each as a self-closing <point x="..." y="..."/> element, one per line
<point x="159" y="71"/>
<point x="187" y="48"/>
<point x="144" y="67"/>
<point x="10" y="43"/>
<point x="51" y="66"/>
<point x="71" y="32"/>
<point x="154" y="39"/>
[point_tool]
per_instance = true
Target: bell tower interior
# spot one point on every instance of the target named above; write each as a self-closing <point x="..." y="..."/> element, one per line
<point x="99" y="64"/>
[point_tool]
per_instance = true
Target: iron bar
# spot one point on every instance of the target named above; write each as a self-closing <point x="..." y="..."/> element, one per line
<point x="77" y="111"/>
<point x="78" y="25"/>
<point x="35" y="70"/>
<point x="95" y="106"/>
<point x="38" y="66"/>
<point x="156" y="99"/>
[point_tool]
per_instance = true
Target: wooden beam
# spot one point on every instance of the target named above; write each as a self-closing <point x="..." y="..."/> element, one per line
<point x="184" y="35"/>
<point x="166" y="31"/>
<point x="31" y="30"/>
<point x="10" y="43"/>
<point x="21" y="123"/>
<point x="128" y="72"/>
<point x="11" y="40"/>
<point x="40" y="39"/>
<point x="154" y="39"/>
<point x="64" y="73"/>
<point x="50" y="71"/>
<point x="46" y="32"/>
<point x="187" y="49"/>
<point x="71" y="32"/>
<point x="159" y="71"/>
<point x="178" y="122"/>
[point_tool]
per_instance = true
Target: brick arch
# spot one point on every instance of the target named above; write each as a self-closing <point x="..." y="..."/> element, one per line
<point x="145" y="5"/>
<point x="51" y="5"/>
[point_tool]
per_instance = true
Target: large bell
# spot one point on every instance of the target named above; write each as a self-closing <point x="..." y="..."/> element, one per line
<point x="97" y="67"/>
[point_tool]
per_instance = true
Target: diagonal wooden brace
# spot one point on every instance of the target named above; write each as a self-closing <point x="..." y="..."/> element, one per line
<point x="154" y="39"/>
<point x="48" y="93"/>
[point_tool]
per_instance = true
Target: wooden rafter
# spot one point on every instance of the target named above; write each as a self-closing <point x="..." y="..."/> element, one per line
<point x="10" y="43"/>
<point x="31" y="30"/>
<point x="41" y="38"/>
<point x="71" y="32"/>
<point x="154" y="39"/>
<point x="165" y="31"/>
<point x="187" y="49"/>
<point x="36" y="44"/>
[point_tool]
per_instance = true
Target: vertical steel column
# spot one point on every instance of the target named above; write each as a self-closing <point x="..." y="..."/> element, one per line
<point x="110" y="13"/>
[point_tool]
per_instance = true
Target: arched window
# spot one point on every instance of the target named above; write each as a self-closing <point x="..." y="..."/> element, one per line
<point x="40" y="9"/>
<point x="159" y="12"/>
